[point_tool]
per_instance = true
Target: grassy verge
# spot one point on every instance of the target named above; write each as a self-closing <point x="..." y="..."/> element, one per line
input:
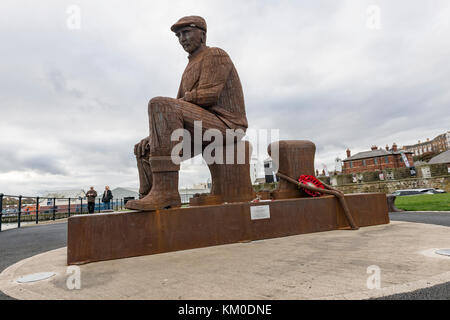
<point x="426" y="202"/>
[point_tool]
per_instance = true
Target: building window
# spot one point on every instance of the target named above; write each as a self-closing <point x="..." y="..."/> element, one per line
<point x="386" y="159"/>
<point x="375" y="161"/>
<point x="351" y="164"/>
<point x="364" y="163"/>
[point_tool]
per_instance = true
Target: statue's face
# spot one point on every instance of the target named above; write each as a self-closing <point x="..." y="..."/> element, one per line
<point x="191" y="39"/>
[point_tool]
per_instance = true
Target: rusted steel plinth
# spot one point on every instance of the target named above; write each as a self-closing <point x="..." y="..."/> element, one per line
<point x="103" y="237"/>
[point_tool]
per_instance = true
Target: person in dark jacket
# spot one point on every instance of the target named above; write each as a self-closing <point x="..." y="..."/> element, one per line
<point x="107" y="197"/>
<point x="91" y="195"/>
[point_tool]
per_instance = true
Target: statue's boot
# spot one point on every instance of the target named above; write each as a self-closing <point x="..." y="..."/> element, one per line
<point x="164" y="193"/>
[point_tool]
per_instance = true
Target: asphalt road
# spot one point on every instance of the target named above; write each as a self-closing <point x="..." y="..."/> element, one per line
<point x="19" y="244"/>
<point x="439" y="218"/>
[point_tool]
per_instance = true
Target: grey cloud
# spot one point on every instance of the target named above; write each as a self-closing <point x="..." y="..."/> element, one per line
<point x="43" y="164"/>
<point x="78" y="99"/>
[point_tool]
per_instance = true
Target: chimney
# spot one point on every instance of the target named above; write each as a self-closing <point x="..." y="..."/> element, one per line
<point x="387" y="148"/>
<point x="349" y="153"/>
<point x="374" y="148"/>
<point x="394" y="147"/>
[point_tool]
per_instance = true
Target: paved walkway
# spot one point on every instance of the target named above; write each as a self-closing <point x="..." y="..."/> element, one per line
<point x="18" y="244"/>
<point x="330" y="265"/>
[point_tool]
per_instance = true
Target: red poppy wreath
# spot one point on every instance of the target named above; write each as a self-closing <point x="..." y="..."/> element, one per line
<point x="313" y="182"/>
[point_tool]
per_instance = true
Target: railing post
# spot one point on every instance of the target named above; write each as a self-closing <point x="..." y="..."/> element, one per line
<point x="20" y="211"/>
<point x="68" y="210"/>
<point x="81" y="206"/>
<point x="37" y="210"/>
<point x="1" y="210"/>
<point x="121" y="204"/>
<point x="54" y="209"/>
<point x="99" y="205"/>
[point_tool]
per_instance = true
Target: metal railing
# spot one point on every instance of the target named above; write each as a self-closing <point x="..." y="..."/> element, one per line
<point x="36" y="211"/>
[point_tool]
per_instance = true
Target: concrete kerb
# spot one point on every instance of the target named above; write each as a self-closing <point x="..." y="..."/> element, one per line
<point x="330" y="265"/>
<point x="8" y="278"/>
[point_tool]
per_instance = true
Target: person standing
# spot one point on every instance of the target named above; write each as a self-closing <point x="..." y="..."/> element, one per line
<point x="91" y="195"/>
<point x="106" y="199"/>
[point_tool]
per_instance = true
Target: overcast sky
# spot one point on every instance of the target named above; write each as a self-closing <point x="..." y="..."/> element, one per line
<point x="74" y="101"/>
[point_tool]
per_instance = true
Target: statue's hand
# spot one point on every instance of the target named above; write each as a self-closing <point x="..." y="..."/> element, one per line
<point x="141" y="148"/>
<point x="188" y="96"/>
<point x="136" y="148"/>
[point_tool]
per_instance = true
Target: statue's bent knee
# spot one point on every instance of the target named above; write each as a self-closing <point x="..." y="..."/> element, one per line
<point x="158" y="101"/>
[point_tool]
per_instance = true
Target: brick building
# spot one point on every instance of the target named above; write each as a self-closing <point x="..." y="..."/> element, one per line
<point x="376" y="160"/>
<point x="439" y="144"/>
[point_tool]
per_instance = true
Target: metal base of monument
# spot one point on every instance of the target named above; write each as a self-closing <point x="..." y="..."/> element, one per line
<point x="103" y="237"/>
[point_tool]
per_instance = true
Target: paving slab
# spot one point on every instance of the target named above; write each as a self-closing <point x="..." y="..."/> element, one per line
<point x="328" y="265"/>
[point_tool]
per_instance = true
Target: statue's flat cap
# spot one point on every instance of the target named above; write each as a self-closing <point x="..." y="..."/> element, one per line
<point x="190" y="21"/>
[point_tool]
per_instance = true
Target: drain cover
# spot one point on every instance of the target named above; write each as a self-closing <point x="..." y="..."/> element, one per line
<point x="35" y="277"/>
<point x="444" y="252"/>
